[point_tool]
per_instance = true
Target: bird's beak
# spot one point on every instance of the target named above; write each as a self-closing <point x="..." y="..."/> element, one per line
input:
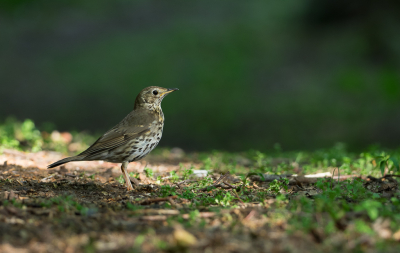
<point x="169" y="91"/>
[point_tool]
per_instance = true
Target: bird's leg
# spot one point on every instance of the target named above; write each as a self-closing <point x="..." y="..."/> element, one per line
<point x="124" y="166"/>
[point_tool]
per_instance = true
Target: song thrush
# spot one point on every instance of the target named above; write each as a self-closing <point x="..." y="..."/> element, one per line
<point x="131" y="139"/>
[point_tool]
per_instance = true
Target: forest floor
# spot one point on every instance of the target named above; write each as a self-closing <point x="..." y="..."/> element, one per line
<point x="182" y="203"/>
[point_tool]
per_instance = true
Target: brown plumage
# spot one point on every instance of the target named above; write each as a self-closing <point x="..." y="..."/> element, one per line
<point x="132" y="138"/>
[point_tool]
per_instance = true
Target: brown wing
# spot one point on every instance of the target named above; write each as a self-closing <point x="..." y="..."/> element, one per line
<point x="132" y="126"/>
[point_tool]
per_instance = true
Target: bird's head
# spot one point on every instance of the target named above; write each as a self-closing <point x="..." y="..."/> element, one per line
<point x="152" y="96"/>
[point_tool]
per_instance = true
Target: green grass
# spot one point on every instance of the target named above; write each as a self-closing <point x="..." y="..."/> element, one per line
<point x="27" y="137"/>
<point x="325" y="208"/>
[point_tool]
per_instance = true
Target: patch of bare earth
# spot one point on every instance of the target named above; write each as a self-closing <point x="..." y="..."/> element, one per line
<point x="80" y="207"/>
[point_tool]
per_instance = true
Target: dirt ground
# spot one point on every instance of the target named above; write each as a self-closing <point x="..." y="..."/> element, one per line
<point x="81" y="207"/>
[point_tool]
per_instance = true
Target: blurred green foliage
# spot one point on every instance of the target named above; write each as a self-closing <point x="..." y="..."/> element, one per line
<point x="17" y="135"/>
<point x="27" y="137"/>
<point x="375" y="160"/>
<point x="302" y="73"/>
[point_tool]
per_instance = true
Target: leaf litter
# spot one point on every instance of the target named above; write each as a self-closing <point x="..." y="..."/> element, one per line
<point x="84" y="207"/>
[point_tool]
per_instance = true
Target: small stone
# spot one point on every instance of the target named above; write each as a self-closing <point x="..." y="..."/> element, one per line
<point x="177" y="153"/>
<point x="12" y="195"/>
<point x="183" y="238"/>
<point x="396" y="236"/>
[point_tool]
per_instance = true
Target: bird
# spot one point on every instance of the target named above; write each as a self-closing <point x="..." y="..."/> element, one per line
<point x="132" y="138"/>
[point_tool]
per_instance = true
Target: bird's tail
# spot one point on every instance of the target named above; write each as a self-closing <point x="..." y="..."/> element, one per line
<point x="65" y="160"/>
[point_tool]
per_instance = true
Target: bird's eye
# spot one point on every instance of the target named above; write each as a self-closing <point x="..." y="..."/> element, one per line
<point x="155" y="92"/>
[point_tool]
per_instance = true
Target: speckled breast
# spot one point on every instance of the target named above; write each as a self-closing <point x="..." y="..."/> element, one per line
<point x="144" y="145"/>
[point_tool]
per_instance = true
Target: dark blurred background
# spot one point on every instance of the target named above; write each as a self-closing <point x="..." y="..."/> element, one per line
<point x="302" y="73"/>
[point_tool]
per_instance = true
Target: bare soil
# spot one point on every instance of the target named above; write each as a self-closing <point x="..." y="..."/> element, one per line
<point x="80" y="207"/>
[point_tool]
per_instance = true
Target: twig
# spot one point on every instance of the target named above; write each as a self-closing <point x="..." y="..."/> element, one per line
<point x="269" y="178"/>
<point x="389" y="175"/>
<point x="208" y="188"/>
<point x="12" y="195"/>
<point x="156" y="212"/>
<point x="134" y="181"/>
<point x="317" y="236"/>
<point x="154" y="218"/>
<point x="241" y="201"/>
<point x="319" y="175"/>
<point x="344" y="177"/>
<point x="313" y="180"/>
<point x="186" y="181"/>
<point x="298" y="183"/>
<point x="233" y="187"/>
<point x="172" y="202"/>
<point x="303" y="180"/>
<point x="47" y="178"/>
<point x="333" y="173"/>
<point x="149" y="201"/>
<point x="250" y="215"/>
<point x="373" y="178"/>
<point x="200" y="215"/>
<point x="221" y="177"/>
<point x="184" y="216"/>
<point x="148" y="187"/>
<point x="216" y="185"/>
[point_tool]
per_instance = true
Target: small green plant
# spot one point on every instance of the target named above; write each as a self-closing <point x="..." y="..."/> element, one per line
<point x="173" y="176"/>
<point x="148" y="172"/>
<point x="206" y="181"/>
<point x="187" y="172"/>
<point x="260" y="159"/>
<point x="138" y="242"/>
<point x="133" y="207"/>
<point x="276" y="185"/>
<point x="66" y="203"/>
<point x="135" y="175"/>
<point x="13" y="202"/>
<point x="193" y="215"/>
<point x="120" y="179"/>
<point x="167" y="190"/>
<point x="187" y="194"/>
<point x="159" y="180"/>
<point x="207" y="164"/>
<point x="384" y="161"/>
<point x="224" y="199"/>
<point x="372" y="208"/>
<point x="22" y="136"/>
<point x="282" y="168"/>
<point x="245" y="181"/>
<point x="362" y="227"/>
